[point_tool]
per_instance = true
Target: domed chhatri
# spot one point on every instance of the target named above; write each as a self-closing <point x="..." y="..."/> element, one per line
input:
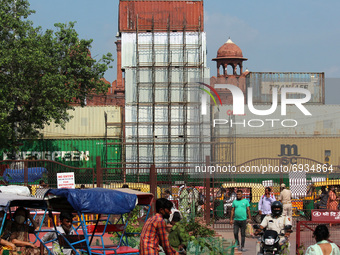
<point x="229" y="54"/>
<point x="229" y="50"/>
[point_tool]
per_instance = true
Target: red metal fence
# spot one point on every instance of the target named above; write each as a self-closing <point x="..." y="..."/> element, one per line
<point x="157" y="180"/>
<point x="305" y="229"/>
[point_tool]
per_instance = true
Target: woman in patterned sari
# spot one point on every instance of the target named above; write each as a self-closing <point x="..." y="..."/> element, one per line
<point x="332" y="203"/>
<point x="20" y="230"/>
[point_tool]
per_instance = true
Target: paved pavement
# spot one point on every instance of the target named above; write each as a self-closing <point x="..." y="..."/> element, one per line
<point x="250" y="243"/>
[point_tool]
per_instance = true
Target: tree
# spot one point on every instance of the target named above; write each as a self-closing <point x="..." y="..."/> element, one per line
<point x="42" y="73"/>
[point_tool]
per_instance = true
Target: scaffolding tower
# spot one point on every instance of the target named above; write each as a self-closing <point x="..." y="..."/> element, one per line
<point x="163" y="121"/>
<point x="164" y="125"/>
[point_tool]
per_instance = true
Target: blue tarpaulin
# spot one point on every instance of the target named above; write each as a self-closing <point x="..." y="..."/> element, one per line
<point x="18" y="175"/>
<point x="98" y="200"/>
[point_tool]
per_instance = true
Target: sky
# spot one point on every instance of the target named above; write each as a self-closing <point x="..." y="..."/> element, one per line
<point x="275" y="36"/>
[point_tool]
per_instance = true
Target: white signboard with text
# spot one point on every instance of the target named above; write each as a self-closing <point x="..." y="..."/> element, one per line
<point x="65" y="180"/>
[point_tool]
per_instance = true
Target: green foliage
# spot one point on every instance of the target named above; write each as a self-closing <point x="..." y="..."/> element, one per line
<point x="209" y="245"/>
<point x="197" y="232"/>
<point x="198" y="229"/>
<point x="133" y="222"/>
<point x="192" y="231"/>
<point x="301" y="250"/>
<point x="41" y="73"/>
<point x="285" y="249"/>
<point x="131" y="228"/>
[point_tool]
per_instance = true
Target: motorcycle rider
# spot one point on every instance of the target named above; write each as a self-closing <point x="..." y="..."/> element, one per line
<point x="277" y="222"/>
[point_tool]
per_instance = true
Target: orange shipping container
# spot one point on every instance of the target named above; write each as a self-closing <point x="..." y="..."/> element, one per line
<point x="179" y="13"/>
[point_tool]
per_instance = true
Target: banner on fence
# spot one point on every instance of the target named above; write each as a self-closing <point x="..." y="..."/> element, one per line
<point x="65" y="180"/>
<point x="324" y="215"/>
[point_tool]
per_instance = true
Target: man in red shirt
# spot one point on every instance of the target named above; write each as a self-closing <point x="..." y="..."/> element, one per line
<point x="154" y="231"/>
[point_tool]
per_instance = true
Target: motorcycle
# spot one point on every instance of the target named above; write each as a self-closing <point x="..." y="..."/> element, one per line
<point x="270" y="241"/>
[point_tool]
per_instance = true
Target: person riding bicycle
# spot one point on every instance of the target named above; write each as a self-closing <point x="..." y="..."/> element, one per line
<point x="277" y="222"/>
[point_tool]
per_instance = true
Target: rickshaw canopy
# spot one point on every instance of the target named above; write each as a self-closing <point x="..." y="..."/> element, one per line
<point x="143" y="187"/>
<point x="9" y="200"/>
<point x="144" y="198"/>
<point x="97" y="200"/>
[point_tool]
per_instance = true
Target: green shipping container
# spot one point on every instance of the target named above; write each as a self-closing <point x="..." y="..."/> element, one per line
<point x="72" y="152"/>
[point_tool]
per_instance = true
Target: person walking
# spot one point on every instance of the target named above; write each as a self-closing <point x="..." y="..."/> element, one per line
<point x="240" y="211"/>
<point x="286" y="199"/>
<point x="265" y="203"/>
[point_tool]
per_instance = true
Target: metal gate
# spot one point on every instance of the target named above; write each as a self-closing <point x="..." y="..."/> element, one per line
<point x="253" y="181"/>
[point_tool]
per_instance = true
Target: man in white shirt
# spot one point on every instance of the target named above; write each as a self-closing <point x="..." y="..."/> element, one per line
<point x="66" y="229"/>
<point x="265" y="203"/>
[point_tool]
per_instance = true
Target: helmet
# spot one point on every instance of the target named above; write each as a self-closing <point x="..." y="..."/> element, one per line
<point x="275" y="205"/>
